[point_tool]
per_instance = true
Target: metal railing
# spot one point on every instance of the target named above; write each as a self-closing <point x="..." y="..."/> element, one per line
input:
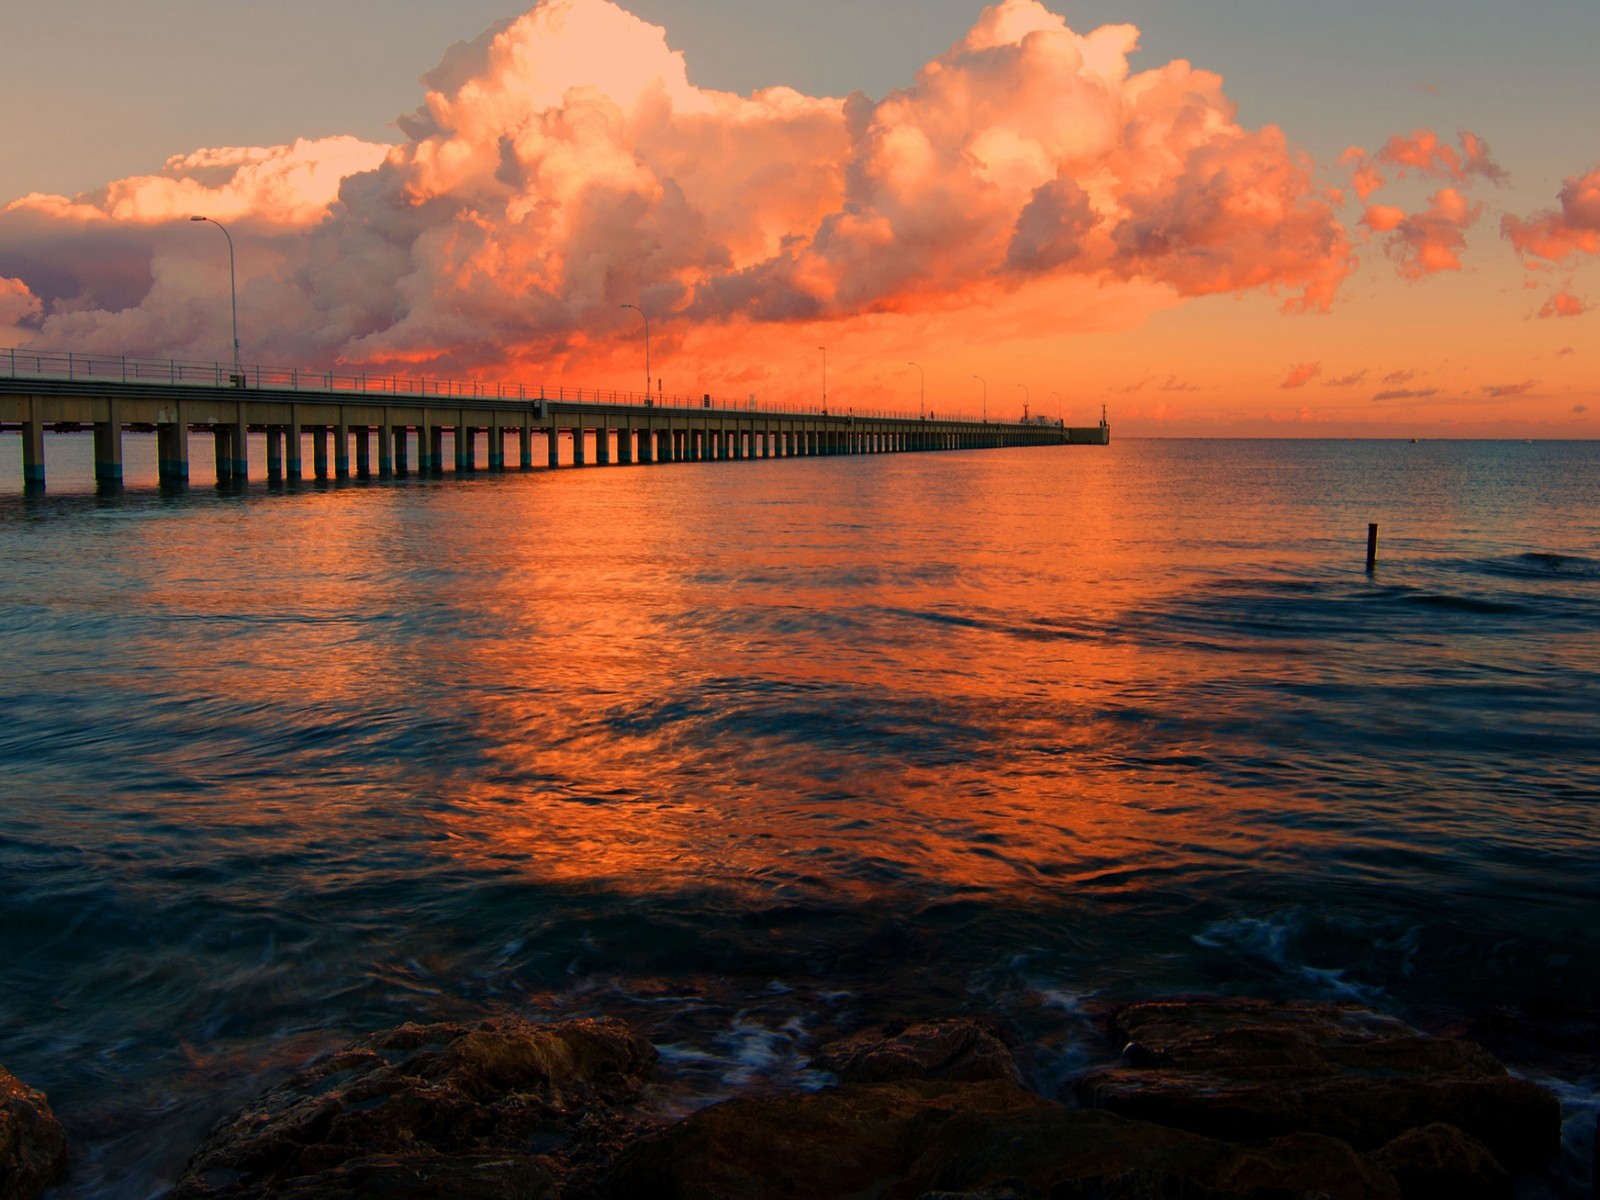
<point x="25" y="363"/>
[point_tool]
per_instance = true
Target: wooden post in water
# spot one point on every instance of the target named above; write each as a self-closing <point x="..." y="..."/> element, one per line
<point x="1372" y="548"/>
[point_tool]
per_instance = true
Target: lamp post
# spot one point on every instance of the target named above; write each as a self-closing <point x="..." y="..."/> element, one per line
<point x="922" y="394"/>
<point x="646" y="317"/>
<point x="824" y="350"/>
<point x="985" y="383"/>
<point x="1060" y="416"/>
<point x="1027" y="399"/>
<point x="233" y="295"/>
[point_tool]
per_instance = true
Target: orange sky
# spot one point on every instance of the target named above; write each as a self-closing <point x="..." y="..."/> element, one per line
<point x="1033" y="219"/>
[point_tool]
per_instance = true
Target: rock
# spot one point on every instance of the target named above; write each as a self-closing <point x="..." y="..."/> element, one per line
<point x="1243" y="1070"/>
<point x="985" y="1140"/>
<point x="479" y="1113"/>
<point x="33" y="1146"/>
<point x="951" y="1048"/>
<point x="1440" y="1160"/>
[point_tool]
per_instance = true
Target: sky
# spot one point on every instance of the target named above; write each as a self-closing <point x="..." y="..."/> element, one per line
<point x="1243" y="217"/>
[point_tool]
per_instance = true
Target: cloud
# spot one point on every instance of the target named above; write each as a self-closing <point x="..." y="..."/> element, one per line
<point x="1407" y="394"/>
<point x="1424" y="152"/>
<point x="563" y="164"/>
<point x="1564" y="351"/>
<point x="1399" y="376"/>
<point x="1580" y="408"/>
<point x="1300" y="374"/>
<point x="1174" y="384"/>
<point x="17" y="303"/>
<point x="1501" y="390"/>
<point x="1348" y="380"/>
<point x="1559" y="235"/>
<point x="1431" y="241"/>
<point x="1427" y="154"/>
<point x="1563" y="304"/>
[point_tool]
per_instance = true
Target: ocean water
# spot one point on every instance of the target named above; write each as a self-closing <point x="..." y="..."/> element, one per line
<point x="751" y="753"/>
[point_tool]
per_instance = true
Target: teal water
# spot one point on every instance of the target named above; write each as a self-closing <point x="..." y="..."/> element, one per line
<point x="749" y="753"/>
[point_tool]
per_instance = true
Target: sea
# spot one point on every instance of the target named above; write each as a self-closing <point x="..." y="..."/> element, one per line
<point x="752" y="754"/>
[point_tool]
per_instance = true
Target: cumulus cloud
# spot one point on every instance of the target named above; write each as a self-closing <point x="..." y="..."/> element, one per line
<point x="1426" y="153"/>
<point x="563" y="164"/>
<point x="1563" y="304"/>
<point x="1557" y="235"/>
<point x="1432" y="240"/>
<point x="1426" y="242"/>
<point x="1300" y="374"/>
<point x="17" y="303"/>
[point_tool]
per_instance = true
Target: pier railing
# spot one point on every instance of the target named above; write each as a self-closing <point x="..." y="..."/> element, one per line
<point x="28" y="363"/>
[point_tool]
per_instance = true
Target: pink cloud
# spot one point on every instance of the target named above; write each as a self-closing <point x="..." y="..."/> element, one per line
<point x="1382" y="218"/>
<point x="1563" y="304"/>
<point x="1501" y="390"/>
<point x="1426" y="153"/>
<point x="1300" y="374"/>
<point x="563" y="164"/>
<point x="1365" y="176"/>
<point x="1556" y="236"/>
<point x="17" y="303"/>
<point x="1431" y="241"/>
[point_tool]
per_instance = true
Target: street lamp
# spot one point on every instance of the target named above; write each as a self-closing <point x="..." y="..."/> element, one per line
<point x="1027" y="399"/>
<point x="233" y="293"/>
<point x="646" y="317"/>
<point x="922" y="394"/>
<point x="985" y="383"/>
<point x="824" y="350"/>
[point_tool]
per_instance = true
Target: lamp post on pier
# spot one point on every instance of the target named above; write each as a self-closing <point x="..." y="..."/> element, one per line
<point x="1027" y="399"/>
<point x="646" y="317"/>
<point x="233" y="295"/>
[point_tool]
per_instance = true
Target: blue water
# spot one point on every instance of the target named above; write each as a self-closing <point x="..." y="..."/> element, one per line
<point x="748" y="753"/>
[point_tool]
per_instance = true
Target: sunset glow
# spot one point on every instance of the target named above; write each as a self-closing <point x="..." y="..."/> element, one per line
<point x="1107" y="227"/>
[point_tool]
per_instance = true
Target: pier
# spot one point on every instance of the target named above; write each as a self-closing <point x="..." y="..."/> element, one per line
<point x="386" y="426"/>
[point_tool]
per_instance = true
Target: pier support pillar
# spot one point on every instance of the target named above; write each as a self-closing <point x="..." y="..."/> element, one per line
<point x="602" y="446"/>
<point x="363" y="451"/>
<point x="525" y="445"/>
<point x="239" y="444"/>
<point x="552" y="443"/>
<point x="172" y="450"/>
<point x="402" y="450"/>
<point x="108" y="450"/>
<point x="386" y="432"/>
<point x="466" y="448"/>
<point x="33" y="451"/>
<point x="646" y="445"/>
<point x="319" y="451"/>
<point x="577" y="446"/>
<point x="221" y="436"/>
<point x="341" y="449"/>
<point x="497" y="446"/>
<point x="294" y="469"/>
<point x="625" y="446"/>
<point x="274" y="453"/>
<point x="436" y="450"/>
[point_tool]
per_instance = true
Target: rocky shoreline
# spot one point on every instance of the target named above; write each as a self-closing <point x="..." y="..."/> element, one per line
<point x="1210" y="1099"/>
